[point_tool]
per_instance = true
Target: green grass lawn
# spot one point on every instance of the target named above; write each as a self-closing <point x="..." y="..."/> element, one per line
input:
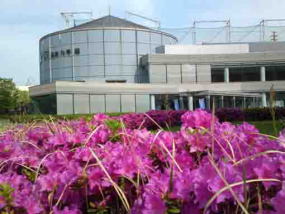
<point x="265" y="127"/>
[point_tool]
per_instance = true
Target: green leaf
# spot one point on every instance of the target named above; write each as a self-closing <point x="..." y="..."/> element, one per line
<point x="173" y="210"/>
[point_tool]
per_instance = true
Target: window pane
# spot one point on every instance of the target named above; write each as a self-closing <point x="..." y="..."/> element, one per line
<point x="217" y="74"/>
<point x="112" y="70"/>
<point x="129" y="70"/>
<point x="113" y="59"/>
<point x="96" y="60"/>
<point x="251" y="74"/>
<point x="112" y="48"/>
<point x="143" y="37"/>
<point x="129" y="48"/>
<point x="112" y="35"/>
<point x="143" y="49"/>
<point x="79" y="37"/>
<point x="95" y="48"/>
<point x="55" y="41"/>
<point x="275" y="73"/>
<point x="129" y="60"/>
<point x="81" y="60"/>
<point x="95" y="35"/>
<point x="235" y="74"/>
<point x="65" y="38"/>
<point x="82" y="47"/>
<point x="244" y="74"/>
<point x="128" y="36"/>
<point x="96" y="71"/>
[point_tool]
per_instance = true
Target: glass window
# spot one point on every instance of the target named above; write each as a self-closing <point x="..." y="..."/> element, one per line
<point x="275" y="73"/>
<point x="239" y="102"/>
<point x="95" y="35"/>
<point x="129" y="59"/>
<point x="66" y="61"/>
<point x="68" y="52"/>
<point x="44" y="44"/>
<point x="112" y="70"/>
<point x="79" y="37"/>
<point x="129" y="70"/>
<point x="96" y="48"/>
<point x="55" y="41"/>
<point x="112" y="35"/>
<point x="128" y="48"/>
<point x="143" y="49"/>
<point x="217" y="75"/>
<point x="251" y="73"/>
<point x="112" y="48"/>
<point x="96" y="60"/>
<point x="143" y="37"/>
<point x="81" y="71"/>
<point x="45" y="104"/>
<point x="235" y="74"/>
<point x="128" y="36"/>
<point x="96" y="71"/>
<point x="83" y="48"/>
<point x="155" y="38"/>
<point x="228" y="102"/>
<point x="81" y="60"/>
<point x="113" y="59"/>
<point x="76" y="51"/>
<point x="65" y="39"/>
<point x="244" y="74"/>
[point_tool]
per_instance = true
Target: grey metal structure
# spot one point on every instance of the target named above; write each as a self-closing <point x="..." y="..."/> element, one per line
<point x="105" y="49"/>
<point x="125" y="67"/>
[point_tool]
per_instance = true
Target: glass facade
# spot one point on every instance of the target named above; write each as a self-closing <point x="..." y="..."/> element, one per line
<point x="45" y="104"/>
<point x="275" y="72"/>
<point x="98" y="54"/>
<point x="249" y="73"/>
<point x="217" y="74"/>
<point x="171" y="101"/>
<point x="226" y="101"/>
<point x="243" y="74"/>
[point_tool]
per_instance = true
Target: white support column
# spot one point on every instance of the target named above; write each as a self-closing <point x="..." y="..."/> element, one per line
<point x="227" y="74"/>
<point x="264" y="103"/>
<point x="262" y="74"/>
<point x="190" y="103"/>
<point x="152" y="102"/>
<point x="234" y="102"/>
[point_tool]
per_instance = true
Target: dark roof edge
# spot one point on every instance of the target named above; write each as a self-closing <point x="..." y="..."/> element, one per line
<point x="78" y="28"/>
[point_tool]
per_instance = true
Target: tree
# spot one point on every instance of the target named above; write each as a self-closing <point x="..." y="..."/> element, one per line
<point x="11" y="99"/>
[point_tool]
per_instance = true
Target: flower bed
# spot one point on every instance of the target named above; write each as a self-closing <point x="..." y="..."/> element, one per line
<point x="103" y="166"/>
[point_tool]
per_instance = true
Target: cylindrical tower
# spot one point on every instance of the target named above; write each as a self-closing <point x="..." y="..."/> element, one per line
<point x="106" y="49"/>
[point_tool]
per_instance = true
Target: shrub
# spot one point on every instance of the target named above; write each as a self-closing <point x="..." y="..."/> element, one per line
<point x="99" y="166"/>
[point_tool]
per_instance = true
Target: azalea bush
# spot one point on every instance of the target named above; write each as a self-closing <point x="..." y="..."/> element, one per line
<point x="104" y="166"/>
<point x="153" y="119"/>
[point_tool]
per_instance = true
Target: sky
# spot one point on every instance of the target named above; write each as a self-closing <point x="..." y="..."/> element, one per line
<point x="24" y="22"/>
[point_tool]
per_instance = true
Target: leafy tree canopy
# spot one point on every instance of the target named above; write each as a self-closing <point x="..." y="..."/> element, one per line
<point x="10" y="97"/>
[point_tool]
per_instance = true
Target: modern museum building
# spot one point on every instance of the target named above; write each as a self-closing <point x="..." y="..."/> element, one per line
<point x="114" y="65"/>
